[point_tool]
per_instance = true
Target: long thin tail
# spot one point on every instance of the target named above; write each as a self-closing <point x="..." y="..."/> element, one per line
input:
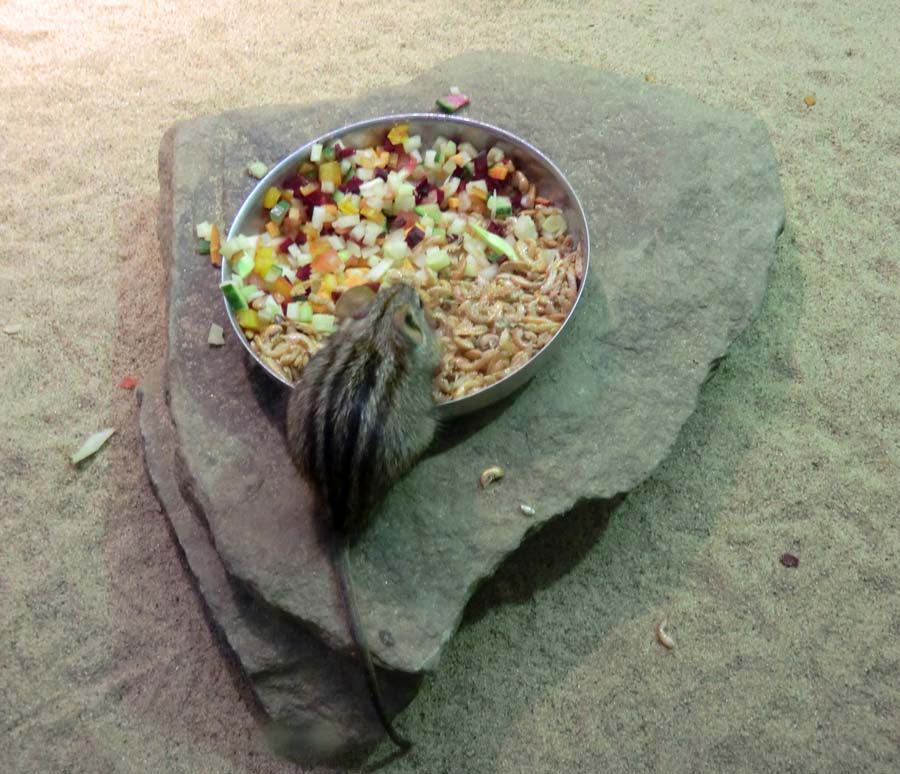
<point x="359" y="637"/>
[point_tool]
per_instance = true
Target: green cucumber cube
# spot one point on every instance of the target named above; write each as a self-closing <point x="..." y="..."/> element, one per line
<point x="233" y="296"/>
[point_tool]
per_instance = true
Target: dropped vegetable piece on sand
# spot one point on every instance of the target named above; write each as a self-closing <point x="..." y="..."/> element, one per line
<point x="810" y="100"/>
<point x="216" y="337"/>
<point x="215" y="257"/>
<point x="92" y="445"/>
<point x="257" y="169"/>
<point x="452" y="102"/>
<point x="128" y="383"/>
<point x="789" y="560"/>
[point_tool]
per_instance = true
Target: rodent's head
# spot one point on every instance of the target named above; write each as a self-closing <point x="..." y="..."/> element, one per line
<point x="406" y="319"/>
<point x="396" y="317"/>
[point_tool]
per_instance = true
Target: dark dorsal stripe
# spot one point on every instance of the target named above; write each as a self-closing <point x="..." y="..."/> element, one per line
<point x="333" y="427"/>
<point x="372" y="449"/>
<point x="310" y="423"/>
<point x="345" y="497"/>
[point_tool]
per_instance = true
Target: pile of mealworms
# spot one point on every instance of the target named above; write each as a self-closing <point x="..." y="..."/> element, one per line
<point x="491" y="328"/>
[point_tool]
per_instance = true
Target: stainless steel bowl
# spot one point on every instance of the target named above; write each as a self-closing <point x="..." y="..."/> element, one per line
<point x="551" y="183"/>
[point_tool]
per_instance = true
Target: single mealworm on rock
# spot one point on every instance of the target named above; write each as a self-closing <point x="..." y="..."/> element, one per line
<point x="663" y="636"/>
<point x="490" y="474"/>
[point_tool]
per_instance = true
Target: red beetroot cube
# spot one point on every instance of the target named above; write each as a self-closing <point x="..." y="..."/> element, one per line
<point x="414" y="236"/>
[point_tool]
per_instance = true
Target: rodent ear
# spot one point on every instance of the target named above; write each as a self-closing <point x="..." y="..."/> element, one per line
<point x="407" y="325"/>
<point x="354" y="302"/>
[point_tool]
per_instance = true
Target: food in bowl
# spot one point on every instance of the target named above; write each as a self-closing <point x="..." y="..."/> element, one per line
<point x="494" y="261"/>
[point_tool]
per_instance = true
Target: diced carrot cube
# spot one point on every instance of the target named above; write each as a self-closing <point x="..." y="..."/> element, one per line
<point x="282" y="286"/>
<point x="215" y="257"/>
<point x="326" y="262"/>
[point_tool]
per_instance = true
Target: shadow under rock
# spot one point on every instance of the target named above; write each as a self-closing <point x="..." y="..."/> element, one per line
<point x="545" y="555"/>
<point x="271" y="395"/>
<point x="451" y="432"/>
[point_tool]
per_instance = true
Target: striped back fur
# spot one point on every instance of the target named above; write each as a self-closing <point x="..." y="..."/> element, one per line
<point x="363" y="412"/>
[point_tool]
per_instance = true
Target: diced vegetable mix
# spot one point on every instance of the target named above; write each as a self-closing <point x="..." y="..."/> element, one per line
<point x="394" y="212"/>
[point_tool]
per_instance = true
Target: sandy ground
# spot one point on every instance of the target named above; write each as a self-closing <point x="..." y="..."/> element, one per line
<point x="106" y="664"/>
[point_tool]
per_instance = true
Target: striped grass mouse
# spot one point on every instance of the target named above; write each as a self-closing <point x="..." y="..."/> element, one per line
<point x="360" y="415"/>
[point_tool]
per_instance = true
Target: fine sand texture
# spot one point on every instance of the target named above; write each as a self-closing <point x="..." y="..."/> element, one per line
<point x="106" y="661"/>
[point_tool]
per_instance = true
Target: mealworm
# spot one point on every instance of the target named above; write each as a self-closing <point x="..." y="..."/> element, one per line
<point x="663" y="636"/>
<point x="490" y="474"/>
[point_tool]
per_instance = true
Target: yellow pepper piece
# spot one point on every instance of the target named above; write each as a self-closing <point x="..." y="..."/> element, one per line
<point x="287" y="194"/>
<point x="478" y="193"/>
<point x="453" y="202"/>
<point x="383" y="159"/>
<point x="263" y="260"/>
<point x="399" y="133"/>
<point x="347" y="207"/>
<point x="272" y="228"/>
<point x="271" y="198"/>
<point x="248" y="318"/>
<point x="329" y="283"/>
<point x="330" y="172"/>
<point x="311" y="232"/>
<point x="376" y="216"/>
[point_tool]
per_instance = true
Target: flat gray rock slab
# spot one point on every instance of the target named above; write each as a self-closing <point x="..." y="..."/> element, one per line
<point x="297" y="681"/>
<point x="684" y="206"/>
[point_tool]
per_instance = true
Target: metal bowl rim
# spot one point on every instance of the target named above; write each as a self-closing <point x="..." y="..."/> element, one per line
<point x="278" y="170"/>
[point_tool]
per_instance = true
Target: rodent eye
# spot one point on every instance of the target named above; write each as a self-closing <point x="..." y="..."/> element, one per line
<point x="411" y="322"/>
